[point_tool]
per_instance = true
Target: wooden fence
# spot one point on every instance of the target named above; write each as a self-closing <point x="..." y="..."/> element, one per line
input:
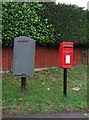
<point x="44" y="57"/>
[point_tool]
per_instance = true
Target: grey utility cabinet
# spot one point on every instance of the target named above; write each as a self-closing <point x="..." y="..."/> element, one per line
<point x="24" y="52"/>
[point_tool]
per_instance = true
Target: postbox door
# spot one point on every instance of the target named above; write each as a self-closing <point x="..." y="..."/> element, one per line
<point x="68" y="51"/>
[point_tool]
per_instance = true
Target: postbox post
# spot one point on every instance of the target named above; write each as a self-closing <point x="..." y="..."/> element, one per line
<point x="65" y="82"/>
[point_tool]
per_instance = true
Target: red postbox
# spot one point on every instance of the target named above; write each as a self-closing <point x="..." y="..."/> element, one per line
<point x="66" y="55"/>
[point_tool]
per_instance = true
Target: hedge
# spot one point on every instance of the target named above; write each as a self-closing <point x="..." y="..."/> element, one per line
<point x="22" y="19"/>
<point x="70" y="21"/>
<point x="47" y="23"/>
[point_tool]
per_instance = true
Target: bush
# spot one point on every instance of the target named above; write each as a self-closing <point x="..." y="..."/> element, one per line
<point x="68" y="20"/>
<point x="47" y="23"/>
<point x="22" y="19"/>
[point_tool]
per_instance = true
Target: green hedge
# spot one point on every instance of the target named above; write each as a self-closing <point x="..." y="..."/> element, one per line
<point x="47" y="23"/>
<point x="22" y="19"/>
<point x="68" y="20"/>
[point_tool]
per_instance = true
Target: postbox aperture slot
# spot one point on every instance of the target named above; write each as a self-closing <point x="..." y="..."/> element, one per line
<point x="68" y="47"/>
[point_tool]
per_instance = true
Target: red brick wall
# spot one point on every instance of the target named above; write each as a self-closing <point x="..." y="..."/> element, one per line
<point x="44" y="57"/>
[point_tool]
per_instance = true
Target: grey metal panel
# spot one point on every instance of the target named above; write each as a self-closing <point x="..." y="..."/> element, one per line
<point x="32" y="53"/>
<point x="24" y="56"/>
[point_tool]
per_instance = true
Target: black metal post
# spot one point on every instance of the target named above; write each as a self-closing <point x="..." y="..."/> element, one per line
<point x="23" y="84"/>
<point x="65" y="82"/>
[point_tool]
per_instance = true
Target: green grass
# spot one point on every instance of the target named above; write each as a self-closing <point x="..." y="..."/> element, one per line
<point x="45" y="92"/>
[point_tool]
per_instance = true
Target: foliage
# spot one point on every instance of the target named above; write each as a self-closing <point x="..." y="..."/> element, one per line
<point x="68" y="20"/>
<point x="45" y="92"/>
<point x="47" y="23"/>
<point x="22" y="19"/>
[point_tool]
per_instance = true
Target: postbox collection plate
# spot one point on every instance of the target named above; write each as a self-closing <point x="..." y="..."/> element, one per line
<point x="67" y="59"/>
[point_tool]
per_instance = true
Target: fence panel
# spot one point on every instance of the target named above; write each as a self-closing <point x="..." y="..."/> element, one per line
<point x="44" y="57"/>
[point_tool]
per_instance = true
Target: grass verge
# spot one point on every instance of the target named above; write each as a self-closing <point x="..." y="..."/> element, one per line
<point x="45" y="92"/>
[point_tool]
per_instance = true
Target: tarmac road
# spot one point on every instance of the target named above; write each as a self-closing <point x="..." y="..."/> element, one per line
<point x="50" y="115"/>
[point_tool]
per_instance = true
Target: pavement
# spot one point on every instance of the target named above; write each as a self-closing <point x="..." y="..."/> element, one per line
<point x="50" y="115"/>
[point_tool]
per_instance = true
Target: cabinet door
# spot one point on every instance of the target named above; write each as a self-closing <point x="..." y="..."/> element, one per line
<point x="21" y="58"/>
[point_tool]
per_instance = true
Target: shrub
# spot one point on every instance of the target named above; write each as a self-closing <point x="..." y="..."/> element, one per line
<point x="68" y="20"/>
<point x="22" y="19"/>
